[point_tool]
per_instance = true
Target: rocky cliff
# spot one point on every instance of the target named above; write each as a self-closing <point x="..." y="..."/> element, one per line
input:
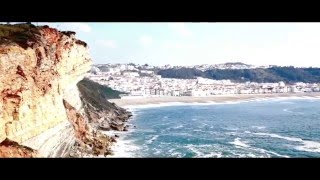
<point x="39" y="71"/>
<point x="101" y="113"/>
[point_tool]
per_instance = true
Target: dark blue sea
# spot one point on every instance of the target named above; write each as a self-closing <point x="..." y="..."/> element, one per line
<point x="283" y="127"/>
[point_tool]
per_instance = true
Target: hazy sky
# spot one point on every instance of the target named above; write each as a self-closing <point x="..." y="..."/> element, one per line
<point x="295" y="44"/>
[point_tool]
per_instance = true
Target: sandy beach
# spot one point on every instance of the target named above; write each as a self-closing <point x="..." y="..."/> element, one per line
<point x="216" y="98"/>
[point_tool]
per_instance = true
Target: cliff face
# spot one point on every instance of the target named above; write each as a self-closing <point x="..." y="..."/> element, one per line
<point x="36" y="74"/>
<point x="44" y="111"/>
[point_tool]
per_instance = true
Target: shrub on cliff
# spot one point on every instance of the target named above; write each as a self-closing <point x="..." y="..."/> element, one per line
<point x="18" y="33"/>
<point x="97" y="89"/>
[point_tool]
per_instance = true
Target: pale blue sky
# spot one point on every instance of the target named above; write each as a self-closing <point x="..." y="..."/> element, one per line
<point x="295" y="44"/>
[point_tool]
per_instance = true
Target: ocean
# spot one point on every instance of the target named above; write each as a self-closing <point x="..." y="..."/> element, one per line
<point x="265" y="128"/>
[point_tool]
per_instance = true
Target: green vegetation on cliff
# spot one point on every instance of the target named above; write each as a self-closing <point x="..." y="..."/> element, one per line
<point x="100" y="90"/>
<point x="18" y="33"/>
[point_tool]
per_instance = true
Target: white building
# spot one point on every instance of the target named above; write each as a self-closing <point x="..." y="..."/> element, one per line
<point x="199" y="93"/>
<point x="147" y="72"/>
<point x="176" y="93"/>
<point x="131" y="74"/>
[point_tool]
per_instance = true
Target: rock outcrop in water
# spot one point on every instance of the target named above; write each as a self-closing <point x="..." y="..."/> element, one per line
<point x="39" y="71"/>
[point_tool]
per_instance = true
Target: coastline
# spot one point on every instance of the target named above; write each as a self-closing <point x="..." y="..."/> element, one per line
<point x="122" y="147"/>
<point x="209" y="99"/>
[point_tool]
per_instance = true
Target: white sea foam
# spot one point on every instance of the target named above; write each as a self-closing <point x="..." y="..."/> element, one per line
<point x="231" y="133"/>
<point x="152" y="139"/>
<point x="135" y="107"/>
<point x="194" y="149"/>
<point x="157" y="151"/>
<point x="287" y="102"/>
<point x="178" y="127"/>
<point x="239" y="143"/>
<point x="109" y="133"/>
<point x="279" y="136"/>
<point x="258" y="127"/>
<point x="213" y="155"/>
<point x="231" y="128"/>
<point x="124" y="148"/>
<point x="310" y="146"/>
<point x="197" y="130"/>
<point x="244" y="155"/>
<point x="287" y="110"/>
<point x="265" y="153"/>
<point x="203" y="150"/>
<point x="156" y="105"/>
<point x="232" y="102"/>
<point x="177" y="154"/>
<point x="173" y="152"/>
<point x="286" y="98"/>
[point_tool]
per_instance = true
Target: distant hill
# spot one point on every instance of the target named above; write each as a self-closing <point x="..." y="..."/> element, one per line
<point x="274" y="74"/>
<point x="235" y="63"/>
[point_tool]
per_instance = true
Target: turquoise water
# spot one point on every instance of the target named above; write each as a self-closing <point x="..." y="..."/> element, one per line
<point x="266" y="128"/>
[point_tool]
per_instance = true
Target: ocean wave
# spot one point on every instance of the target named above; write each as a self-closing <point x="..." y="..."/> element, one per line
<point x="152" y="139"/>
<point x="195" y="150"/>
<point x="175" y="127"/>
<point x="156" y="151"/>
<point x="310" y="146"/>
<point x="231" y="133"/>
<point x="239" y="143"/>
<point x="124" y="149"/>
<point x="287" y="98"/>
<point x="207" y="151"/>
<point x="174" y="153"/>
<point x="261" y="152"/>
<point x="177" y="154"/>
<point x="198" y="130"/>
<point x="213" y="155"/>
<point x="287" y="102"/>
<point x="165" y="104"/>
<point x="231" y="128"/>
<point x="147" y="130"/>
<point x="204" y="151"/>
<point x="279" y="136"/>
<point x="258" y="127"/>
<point x="178" y="127"/>
<point x="286" y="110"/>
<point x="147" y="106"/>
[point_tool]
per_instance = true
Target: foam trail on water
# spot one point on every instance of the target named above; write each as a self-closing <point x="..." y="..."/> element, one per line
<point x="258" y="127"/>
<point x="310" y="146"/>
<point x="237" y="142"/>
<point x="152" y="139"/>
<point x="279" y="136"/>
<point x="124" y="149"/>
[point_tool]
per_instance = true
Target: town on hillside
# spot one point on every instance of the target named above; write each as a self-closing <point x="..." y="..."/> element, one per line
<point x="142" y="81"/>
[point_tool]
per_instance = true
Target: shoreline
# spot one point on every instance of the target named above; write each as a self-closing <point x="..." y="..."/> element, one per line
<point x="121" y="148"/>
<point x="204" y="100"/>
